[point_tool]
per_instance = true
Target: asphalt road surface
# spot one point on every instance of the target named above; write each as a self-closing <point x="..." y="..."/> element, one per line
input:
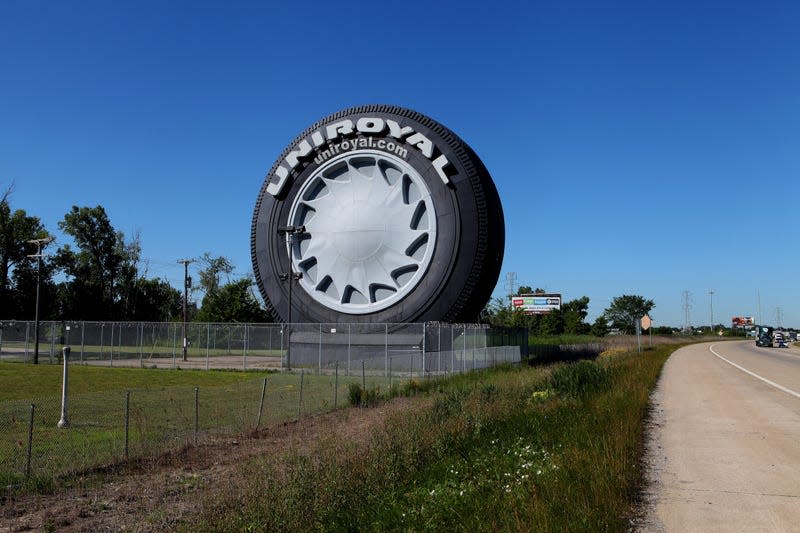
<point x="724" y="452"/>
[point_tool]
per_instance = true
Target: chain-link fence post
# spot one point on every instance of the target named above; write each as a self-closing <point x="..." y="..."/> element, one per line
<point x="140" y="338"/>
<point x="300" y="399"/>
<point x="283" y="355"/>
<point x="349" y="329"/>
<point x="52" y="341"/>
<point x="27" y="335"/>
<point x="127" y="421"/>
<point x="336" y="385"/>
<point x="424" y="344"/>
<point x="111" y="347"/>
<point x="261" y="403"/>
<point x="319" y="363"/>
<point x="244" y="349"/>
<point x="386" y="347"/>
<point x="208" y="340"/>
<point x="452" y="349"/>
<point x="174" y="342"/>
<point x="30" y="443"/>
<point x="196" y="413"/>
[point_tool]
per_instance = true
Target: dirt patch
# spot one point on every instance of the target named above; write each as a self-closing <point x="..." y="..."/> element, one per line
<point x="158" y="493"/>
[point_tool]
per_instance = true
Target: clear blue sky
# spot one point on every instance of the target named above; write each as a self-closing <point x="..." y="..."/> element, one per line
<point x="639" y="147"/>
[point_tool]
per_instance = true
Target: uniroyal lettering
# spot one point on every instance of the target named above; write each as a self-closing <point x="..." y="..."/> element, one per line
<point x="305" y="149"/>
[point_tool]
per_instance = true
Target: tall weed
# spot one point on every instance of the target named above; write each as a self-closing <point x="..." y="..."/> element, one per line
<point x="479" y="455"/>
<point x="581" y="379"/>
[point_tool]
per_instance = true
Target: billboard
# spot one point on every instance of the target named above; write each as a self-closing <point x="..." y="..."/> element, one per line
<point x="533" y="304"/>
<point x="742" y="321"/>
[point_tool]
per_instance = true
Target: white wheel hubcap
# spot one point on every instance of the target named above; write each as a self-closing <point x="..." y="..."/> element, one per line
<point x="370" y="232"/>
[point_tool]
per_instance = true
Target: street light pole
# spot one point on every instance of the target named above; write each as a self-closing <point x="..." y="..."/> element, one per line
<point x="186" y="284"/>
<point x="39" y="243"/>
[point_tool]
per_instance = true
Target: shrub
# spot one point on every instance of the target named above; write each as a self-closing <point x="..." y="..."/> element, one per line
<point x="371" y="397"/>
<point x="354" y="394"/>
<point x="580" y="379"/>
<point x="411" y="387"/>
<point x="360" y="397"/>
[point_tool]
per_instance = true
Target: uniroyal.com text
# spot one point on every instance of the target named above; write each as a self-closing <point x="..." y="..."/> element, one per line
<point x="360" y="144"/>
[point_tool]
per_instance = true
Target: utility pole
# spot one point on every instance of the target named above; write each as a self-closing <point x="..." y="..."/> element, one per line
<point x="187" y="282"/>
<point x="511" y="282"/>
<point x="759" y="307"/>
<point x="39" y="243"/>
<point x="290" y="232"/>
<point x="711" y="303"/>
<point x="686" y="307"/>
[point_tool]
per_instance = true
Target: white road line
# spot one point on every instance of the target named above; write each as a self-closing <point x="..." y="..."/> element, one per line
<point x="765" y="380"/>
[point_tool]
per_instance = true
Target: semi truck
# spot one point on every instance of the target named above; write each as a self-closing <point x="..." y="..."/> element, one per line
<point x="764" y="336"/>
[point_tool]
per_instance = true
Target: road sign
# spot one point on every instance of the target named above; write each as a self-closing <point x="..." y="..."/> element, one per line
<point x="646" y="322"/>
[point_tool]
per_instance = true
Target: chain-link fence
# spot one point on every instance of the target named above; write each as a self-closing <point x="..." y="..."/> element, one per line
<point x="106" y="428"/>
<point x="111" y="427"/>
<point x="420" y="348"/>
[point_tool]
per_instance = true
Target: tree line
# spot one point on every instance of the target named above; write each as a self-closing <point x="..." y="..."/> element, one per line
<point x="621" y="315"/>
<point x="101" y="275"/>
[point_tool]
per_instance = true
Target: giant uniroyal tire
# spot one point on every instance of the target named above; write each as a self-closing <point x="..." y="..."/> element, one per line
<point x="396" y="220"/>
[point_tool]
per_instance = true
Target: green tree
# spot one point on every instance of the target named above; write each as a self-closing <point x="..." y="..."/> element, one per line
<point x="551" y="323"/>
<point x="16" y="229"/>
<point x="574" y="313"/>
<point x="214" y="268"/>
<point x="625" y="310"/>
<point x="600" y="326"/>
<point x="499" y="313"/>
<point x="524" y="289"/>
<point x="22" y="296"/>
<point x="155" y="301"/>
<point x="232" y="302"/>
<point x="101" y="271"/>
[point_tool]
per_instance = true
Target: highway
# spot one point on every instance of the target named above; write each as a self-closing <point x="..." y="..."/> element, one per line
<point x="724" y="448"/>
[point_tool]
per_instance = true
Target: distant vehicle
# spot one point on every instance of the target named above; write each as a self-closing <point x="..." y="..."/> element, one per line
<point x="764" y="341"/>
<point x="764" y="338"/>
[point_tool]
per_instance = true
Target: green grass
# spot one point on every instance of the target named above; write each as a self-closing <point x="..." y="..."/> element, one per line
<point x="565" y="339"/>
<point x="164" y="407"/>
<point x="514" y="449"/>
<point x="27" y="381"/>
<point x="160" y="351"/>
